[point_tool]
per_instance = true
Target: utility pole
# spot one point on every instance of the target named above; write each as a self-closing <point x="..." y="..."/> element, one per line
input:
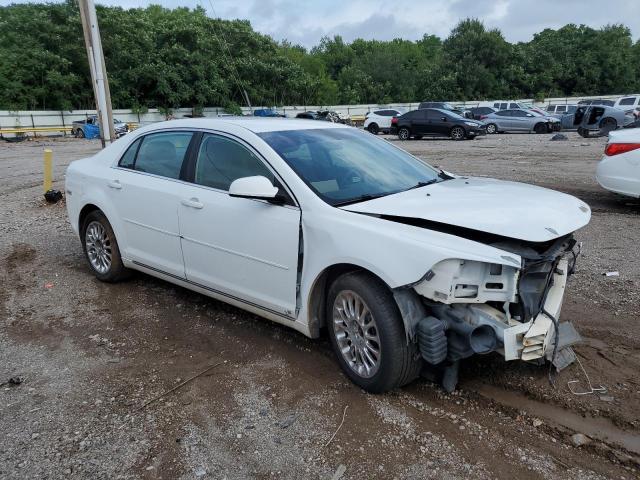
<point x="99" y="79"/>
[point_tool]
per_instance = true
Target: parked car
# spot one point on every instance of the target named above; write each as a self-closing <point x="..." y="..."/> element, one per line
<point x="517" y="120"/>
<point x="325" y="115"/>
<point x="441" y="106"/>
<point x="435" y="122"/>
<point x="506" y="105"/>
<point x="380" y="120"/>
<point x="619" y="169"/>
<point x="78" y="127"/>
<point x="478" y="113"/>
<point x="267" y="112"/>
<point x="322" y="225"/>
<point x="599" y="120"/>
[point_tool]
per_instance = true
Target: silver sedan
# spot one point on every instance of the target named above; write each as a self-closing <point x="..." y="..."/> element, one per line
<point x="516" y="120"/>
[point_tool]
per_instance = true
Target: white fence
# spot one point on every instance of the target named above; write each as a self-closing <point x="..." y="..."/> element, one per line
<point x="9" y="119"/>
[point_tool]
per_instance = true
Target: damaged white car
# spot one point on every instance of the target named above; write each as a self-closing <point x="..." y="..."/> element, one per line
<point x="313" y="226"/>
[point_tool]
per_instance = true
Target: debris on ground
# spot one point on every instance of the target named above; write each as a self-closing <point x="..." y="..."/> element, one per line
<point x="12" y="382"/>
<point x="612" y="274"/>
<point x="580" y="439"/>
<point x="559" y="136"/>
<point x="53" y="196"/>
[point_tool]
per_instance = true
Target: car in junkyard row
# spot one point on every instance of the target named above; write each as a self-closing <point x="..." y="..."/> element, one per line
<point x="435" y="122"/>
<point x="599" y="120"/>
<point x="619" y="169"/>
<point x="78" y="127"/>
<point x="323" y="227"/>
<point x="519" y="120"/>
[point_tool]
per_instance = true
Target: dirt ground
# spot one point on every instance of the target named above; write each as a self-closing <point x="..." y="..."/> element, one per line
<point x="92" y="356"/>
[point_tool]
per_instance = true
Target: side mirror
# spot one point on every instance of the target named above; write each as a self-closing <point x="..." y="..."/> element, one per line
<point x="258" y="187"/>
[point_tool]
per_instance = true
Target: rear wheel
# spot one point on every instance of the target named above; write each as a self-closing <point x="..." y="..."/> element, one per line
<point x="373" y="128"/>
<point x="492" y="128"/>
<point x="540" y="128"/>
<point x="101" y="248"/>
<point x="367" y="334"/>
<point x="457" y="133"/>
<point x="608" y="124"/>
<point x="404" y="134"/>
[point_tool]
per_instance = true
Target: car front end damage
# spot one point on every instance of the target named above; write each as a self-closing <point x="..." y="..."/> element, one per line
<point x="461" y="308"/>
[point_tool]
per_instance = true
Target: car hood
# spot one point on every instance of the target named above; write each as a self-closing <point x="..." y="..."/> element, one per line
<point x="508" y="209"/>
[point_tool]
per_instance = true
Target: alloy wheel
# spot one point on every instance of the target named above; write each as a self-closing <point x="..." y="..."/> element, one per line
<point x="356" y="333"/>
<point x="98" y="247"/>
<point x="457" y="133"/>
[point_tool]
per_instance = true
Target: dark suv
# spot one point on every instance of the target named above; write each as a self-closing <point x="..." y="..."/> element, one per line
<point x="435" y="122"/>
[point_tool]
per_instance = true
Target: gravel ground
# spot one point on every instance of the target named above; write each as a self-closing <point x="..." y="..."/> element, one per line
<point x="91" y="356"/>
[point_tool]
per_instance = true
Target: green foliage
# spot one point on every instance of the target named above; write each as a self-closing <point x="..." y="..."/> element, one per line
<point x="163" y="58"/>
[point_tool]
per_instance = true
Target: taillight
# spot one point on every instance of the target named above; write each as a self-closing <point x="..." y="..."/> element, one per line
<point x="394" y="120"/>
<point x="617" y="148"/>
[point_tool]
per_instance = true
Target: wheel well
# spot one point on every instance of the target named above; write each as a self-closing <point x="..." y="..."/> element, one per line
<point x="86" y="210"/>
<point x="318" y="296"/>
<point x="373" y="124"/>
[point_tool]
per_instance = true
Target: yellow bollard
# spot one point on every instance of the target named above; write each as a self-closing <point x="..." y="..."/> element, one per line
<point x="48" y="169"/>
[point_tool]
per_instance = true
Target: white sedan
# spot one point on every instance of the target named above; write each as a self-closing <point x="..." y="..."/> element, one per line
<point x="619" y="169"/>
<point x="321" y="225"/>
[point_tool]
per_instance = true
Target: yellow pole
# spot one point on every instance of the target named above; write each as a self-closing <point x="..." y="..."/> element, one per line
<point x="48" y="169"/>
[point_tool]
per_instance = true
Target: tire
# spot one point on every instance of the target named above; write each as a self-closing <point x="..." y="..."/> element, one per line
<point x="79" y="133"/>
<point x="492" y="128"/>
<point x="398" y="361"/>
<point x="607" y="124"/>
<point x="373" y="128"/>
<point x="540" y="128"/>
<point x="583" y="132"/>
<point x="404" y="133"/>
<point x="457" y="133"/>
<point x="97" y="237"/>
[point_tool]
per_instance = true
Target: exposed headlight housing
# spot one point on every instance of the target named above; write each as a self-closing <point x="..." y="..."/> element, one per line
<point x="465" y="281"/>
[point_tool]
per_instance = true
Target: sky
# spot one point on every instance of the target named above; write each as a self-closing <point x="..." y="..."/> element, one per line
<point x="306" y="22"/>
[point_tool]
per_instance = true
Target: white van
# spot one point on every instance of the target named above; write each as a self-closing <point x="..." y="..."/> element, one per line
<point x="505" y="104"/>
<point x="630" y="102"/>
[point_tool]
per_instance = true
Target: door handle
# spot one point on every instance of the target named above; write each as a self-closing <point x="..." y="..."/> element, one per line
<point x="115" y="184"/>
<point x="192" y="202"/>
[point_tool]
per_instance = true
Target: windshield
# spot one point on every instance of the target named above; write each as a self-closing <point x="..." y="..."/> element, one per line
<point x="344" y="165"/>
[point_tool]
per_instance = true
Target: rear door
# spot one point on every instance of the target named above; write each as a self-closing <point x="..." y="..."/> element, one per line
<point x="241" y="248"/>
<point x="420" y="122"/>
<point x="145" y="188"/>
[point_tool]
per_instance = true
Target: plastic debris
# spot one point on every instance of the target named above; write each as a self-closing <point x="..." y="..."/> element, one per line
<point x="612" y="274"/>
<point x="53" y="196"/>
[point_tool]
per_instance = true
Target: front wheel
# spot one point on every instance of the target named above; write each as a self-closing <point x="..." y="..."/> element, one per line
<point x="101" y="248"/>
<point x="457" y="133"/>
<point x="79" y="133"/>
<point x="367" y="334"/>
<point x="540" y="128"/>
<point x="403" y="133"/>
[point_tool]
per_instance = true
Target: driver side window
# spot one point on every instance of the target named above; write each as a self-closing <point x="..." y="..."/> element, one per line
<point x="221" y="160"/>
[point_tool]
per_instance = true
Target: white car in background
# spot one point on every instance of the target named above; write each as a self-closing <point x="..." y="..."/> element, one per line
<point x="380" y="120"/>
<point x="316" y="224"/>
<point x="619" y="169"/>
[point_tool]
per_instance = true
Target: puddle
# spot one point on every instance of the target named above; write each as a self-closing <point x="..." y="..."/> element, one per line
<point x="598" y="428"/>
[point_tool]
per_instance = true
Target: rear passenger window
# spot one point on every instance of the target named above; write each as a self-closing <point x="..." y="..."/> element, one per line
<point x="628" y="101"/>
<point x="561" y="109"/>
<point x="162" y="153"/>
<point x="222" y="160"/>
<point x="129" y="157"/>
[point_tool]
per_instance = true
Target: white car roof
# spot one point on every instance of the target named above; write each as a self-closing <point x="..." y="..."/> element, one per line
<point x="253" y="124"/>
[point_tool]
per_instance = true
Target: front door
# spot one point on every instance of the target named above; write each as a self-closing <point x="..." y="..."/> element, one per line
<point x="242" y="248"/>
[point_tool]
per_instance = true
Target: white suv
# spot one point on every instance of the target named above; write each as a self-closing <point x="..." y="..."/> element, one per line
<point x="380" y="120"/>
